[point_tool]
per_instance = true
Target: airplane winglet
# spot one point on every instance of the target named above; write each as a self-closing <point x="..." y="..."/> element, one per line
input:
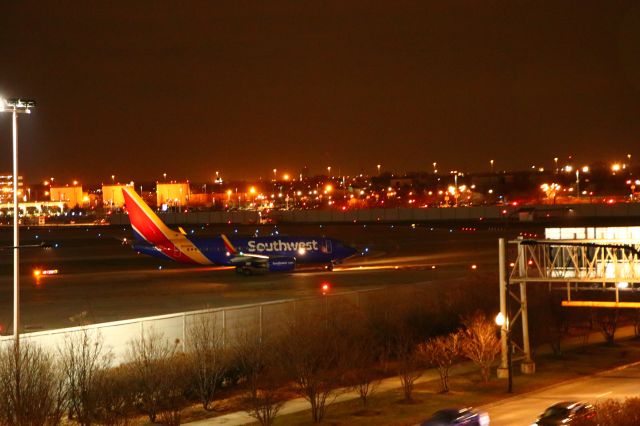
<point x="230" y="248"/>
<point x="182" y="231"/>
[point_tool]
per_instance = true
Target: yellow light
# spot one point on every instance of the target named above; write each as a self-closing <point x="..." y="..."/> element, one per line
<point x="252" y="190"/>
<point x="75" y="183"/>
<point x="37" y="272"/>
<point x="585" y="169"/>
<point x="615" y="167"/>
<point x="228" y="192"/>
<point x="600" y="304"/>
<point x="285" y="177"/>
<point x="328" y="188"/>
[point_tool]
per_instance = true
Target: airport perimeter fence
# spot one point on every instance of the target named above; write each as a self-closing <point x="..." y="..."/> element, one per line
<point x="391" y="215"/>
<point x="266" y="319"/>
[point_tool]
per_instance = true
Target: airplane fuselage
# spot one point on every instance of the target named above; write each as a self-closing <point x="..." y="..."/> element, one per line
<point x="212" y="251"/>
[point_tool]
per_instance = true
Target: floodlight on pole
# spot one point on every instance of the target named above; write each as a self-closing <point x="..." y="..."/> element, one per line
<point x="16" y="106"/>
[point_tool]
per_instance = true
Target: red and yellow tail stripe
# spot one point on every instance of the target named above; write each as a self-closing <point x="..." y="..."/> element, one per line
<point x="149" y="226"/>
<point x="227" y="244"/>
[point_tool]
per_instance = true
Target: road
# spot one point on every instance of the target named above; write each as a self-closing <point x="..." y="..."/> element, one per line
<point x="105" y="281"/>
<point x="524" y="409"/>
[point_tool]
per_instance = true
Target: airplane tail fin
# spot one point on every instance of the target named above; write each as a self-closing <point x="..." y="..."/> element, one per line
<point x="146" y="225"/>
<point x="230" y="248"/>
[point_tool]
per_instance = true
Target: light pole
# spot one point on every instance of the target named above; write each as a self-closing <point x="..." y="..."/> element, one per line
<point x="491" y="161"/>
<point x="555" y="160"/>
<point x="378" y="169"/>
<point x="16" y="106"/>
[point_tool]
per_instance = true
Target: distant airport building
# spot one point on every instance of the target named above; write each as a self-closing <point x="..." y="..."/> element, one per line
<point x="6" y="188"/>
<point x="112" y="196"/>
<point x="72" y="196"/>
<point x="172" y="194"/>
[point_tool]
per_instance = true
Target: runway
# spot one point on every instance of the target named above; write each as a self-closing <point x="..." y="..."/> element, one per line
<point x="100" y="279"/>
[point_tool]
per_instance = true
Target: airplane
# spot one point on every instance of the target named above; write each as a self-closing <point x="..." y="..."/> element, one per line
<point x="247" y="254"/>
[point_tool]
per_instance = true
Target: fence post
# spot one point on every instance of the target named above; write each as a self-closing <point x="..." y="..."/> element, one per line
<point x="260" y="323"/>
<point x="224" y="328"/>
<point x="184" y="332"/>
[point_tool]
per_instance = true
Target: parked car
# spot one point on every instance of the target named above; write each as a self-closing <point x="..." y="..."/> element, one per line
<point x="566" y="413"/>
<point x="458" y="417"/>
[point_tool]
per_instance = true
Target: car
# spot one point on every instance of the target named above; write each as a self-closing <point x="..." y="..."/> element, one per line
<point x="566" y="413"/>
<point x="457" y="416"/>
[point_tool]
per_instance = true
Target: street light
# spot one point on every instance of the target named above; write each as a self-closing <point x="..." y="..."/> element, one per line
<point x="16" y="106"/>
<point x="491" y="162"/>
<point x="378" y="166"/>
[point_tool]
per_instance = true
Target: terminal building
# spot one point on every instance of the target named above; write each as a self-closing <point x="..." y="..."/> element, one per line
<point x="172" y="194"/>
<point x="71" y="196"/>
<point x="6" y="188"/>
<point x="112" y="196"/>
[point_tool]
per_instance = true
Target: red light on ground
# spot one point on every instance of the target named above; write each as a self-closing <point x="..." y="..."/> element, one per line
<point x="325" y="287"/>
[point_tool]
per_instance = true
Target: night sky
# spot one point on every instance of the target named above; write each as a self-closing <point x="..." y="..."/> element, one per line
<point x="138" y="88"/>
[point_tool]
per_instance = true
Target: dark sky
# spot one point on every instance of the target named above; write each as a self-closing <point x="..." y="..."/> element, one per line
<point x="138" y="88"/>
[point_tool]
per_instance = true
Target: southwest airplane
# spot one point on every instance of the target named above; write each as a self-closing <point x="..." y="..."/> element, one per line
<point x="245" y="253"/>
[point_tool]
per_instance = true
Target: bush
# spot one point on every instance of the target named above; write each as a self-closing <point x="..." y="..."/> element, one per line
<point x="31" y="388"/>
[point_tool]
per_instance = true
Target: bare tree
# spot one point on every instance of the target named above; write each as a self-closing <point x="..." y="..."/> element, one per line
<point x="148" y="358"/>
<point x="115" y="404"/>
<point x="607" y="321"/>
<point x="311" y="352"/>
<point x="173" y="388"/>
<point x="442" y="352"/>
<point x="264" y="377"/>
<point x="612" y="412"/>
<point x="480" y="342"/>
<point x="31" y="391"/>
<point x="362" y="353"/>
<point x="409" y="363"/>
<point x="84" y="358"/>
<point x="209" y="359"/>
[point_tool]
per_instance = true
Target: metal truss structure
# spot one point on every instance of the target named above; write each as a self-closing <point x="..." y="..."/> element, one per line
<point x="608" y="267"/>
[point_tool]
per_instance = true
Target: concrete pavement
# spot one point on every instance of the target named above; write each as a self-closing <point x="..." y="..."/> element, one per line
<point x="618" y="383"/>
